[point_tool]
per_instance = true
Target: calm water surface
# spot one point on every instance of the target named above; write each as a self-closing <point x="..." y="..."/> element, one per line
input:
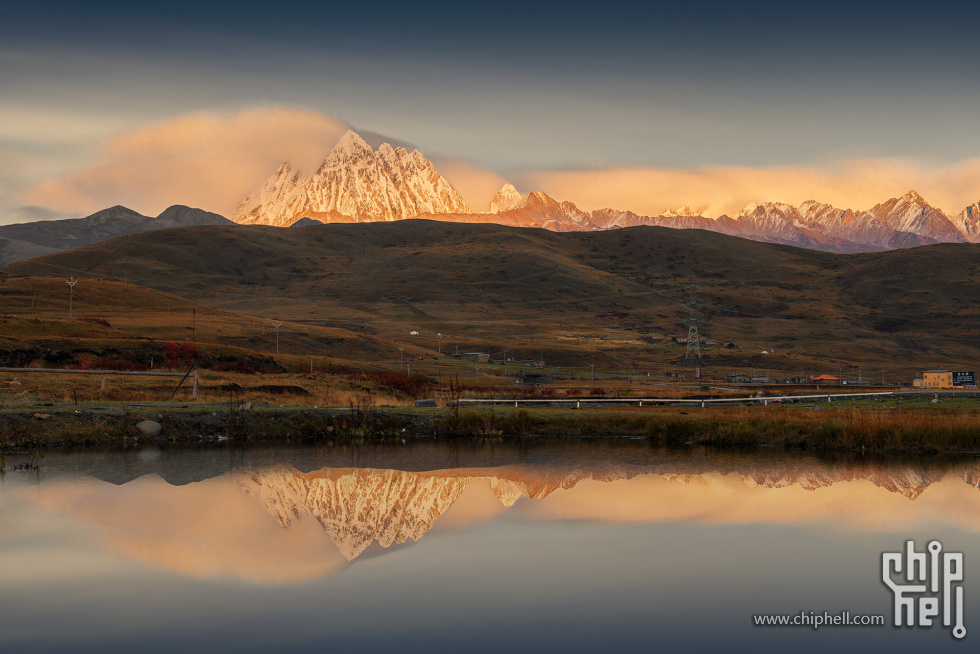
<point x="471" y="546"/>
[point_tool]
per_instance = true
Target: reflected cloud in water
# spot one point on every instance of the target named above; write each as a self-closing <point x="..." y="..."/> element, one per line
<point x="206" y="529"/>
<point x="278" y="525"/>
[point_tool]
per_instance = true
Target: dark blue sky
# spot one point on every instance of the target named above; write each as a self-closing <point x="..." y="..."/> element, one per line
<point x="727" y="33"/>
<point x="515" y="87"/>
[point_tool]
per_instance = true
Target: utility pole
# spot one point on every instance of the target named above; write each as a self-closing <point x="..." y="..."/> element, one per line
<point x="593" y="372"/>
<point x="194" y="325"/>
<point x="440" y="343"/>
<point x="693" y="341"/>
<point x="401" y="364"/>
<point x="71" y="294"/>
<point x="276" y="324"/>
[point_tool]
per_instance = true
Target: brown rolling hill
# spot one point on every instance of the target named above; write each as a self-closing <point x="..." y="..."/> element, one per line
<point x="26" y="240"/>
<point x="604" y="297"/>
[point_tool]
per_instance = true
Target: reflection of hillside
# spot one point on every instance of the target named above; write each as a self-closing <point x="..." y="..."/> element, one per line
<point x="358" y="506"/>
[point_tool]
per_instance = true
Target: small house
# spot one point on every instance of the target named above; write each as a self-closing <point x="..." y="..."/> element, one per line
<point x="533" y="379"/>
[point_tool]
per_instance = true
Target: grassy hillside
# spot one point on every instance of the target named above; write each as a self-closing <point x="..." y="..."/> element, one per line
<point x="579" y="298"/>
<point x="110" y="317"/>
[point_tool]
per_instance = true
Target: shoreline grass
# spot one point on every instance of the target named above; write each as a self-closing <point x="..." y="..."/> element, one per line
<point x="917" y="430"/>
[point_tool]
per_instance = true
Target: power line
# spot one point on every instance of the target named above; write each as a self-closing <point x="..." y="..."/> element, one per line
<point x="693" y="341"/>
<point x="71" y="294"/>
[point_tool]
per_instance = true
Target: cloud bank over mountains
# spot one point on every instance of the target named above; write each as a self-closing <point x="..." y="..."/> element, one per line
<point x="212" y="161"/>
<point x="208" y="159"/>
<point x="858" y="184"/>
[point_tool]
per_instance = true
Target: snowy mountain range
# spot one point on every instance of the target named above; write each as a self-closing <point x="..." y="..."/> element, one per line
<point x="356" y="184"/>
<point x="907" y="221"/>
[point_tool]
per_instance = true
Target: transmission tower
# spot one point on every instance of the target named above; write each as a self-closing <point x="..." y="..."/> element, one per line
<point x="693" y="342"/>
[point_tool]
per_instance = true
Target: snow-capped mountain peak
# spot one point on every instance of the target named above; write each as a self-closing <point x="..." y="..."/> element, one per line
<point x="351" y="141"/>
<point x="680" y="211"/>
<point x="354" y="183"/>
<point x="968" y="222"/>
<point x="913" y="197"/>
<point x="506" y="198"/>
<point x="912" y="214"/>
<point x="539" y="200"/>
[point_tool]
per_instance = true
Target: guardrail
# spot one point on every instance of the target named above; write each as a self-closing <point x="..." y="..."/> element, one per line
<point x="654" y="401"/>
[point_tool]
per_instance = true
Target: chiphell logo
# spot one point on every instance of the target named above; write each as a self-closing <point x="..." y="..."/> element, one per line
<point x="931" y="583"/>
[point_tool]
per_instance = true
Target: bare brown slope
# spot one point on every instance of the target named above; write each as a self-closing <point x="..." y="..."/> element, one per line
<point x="605" y="294"/>
<point x="416" y="261"/>
<point x="25" y="240"/>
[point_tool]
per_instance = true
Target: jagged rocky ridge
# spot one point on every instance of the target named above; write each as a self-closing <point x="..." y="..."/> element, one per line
<point x="353" y="184"/>
<point x="902" y="222"/>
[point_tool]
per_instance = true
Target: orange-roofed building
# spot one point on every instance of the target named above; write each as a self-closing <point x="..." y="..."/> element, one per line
<point x="943" y="378"/>
<point x="934" y="379"/>
<point x="826" y="378"/>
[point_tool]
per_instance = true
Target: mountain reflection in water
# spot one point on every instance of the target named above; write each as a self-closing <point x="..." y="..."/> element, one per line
<point x="277" y="524"/>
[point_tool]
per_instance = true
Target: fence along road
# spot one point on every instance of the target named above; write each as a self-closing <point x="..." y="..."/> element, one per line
<point x="61" y="371"/>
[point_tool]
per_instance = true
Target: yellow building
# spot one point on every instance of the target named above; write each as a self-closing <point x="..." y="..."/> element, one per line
<point x="935" y="379"/>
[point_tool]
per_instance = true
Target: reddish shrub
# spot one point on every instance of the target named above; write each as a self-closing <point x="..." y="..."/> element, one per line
<point x="597" y="391"/>
<point x="414" y="385"/>
<point x="180" y="355"/>
<point x="188" y="352"/>
<point x="399" y="381"/>
<point x="173" y="354"/>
